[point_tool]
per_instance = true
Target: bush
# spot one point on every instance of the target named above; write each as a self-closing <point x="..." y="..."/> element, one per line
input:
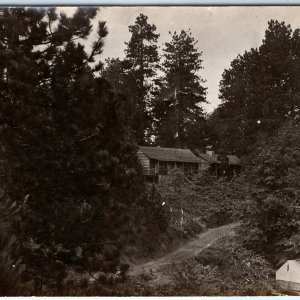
<point x="224" y="269"/>
<point x="11" y="268"/>
<point x="267" y="223"/>
<point x="270" y="222"/>
<point x="205" y="199"/>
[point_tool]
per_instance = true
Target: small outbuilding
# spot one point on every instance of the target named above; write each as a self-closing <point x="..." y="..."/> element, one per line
<point x="222" y="165"/>
<point x="288" y="275"/>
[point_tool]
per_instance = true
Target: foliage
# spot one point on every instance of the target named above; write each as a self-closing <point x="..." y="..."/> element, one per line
<point x="135" y="76"/>
<point x="205" y="199"/>
<point x="271" y="218"/>
<point x="179" y="116"/>
<point x="268" y="222"/>
<point x="275" y="165"/>
<point x="166" y="108"/>
<point x="140" y="66"/>
<point x="11" y="268"/>
<point x="113" y="72"/>
<point x="66" y="141"/>
<point x="260" y="90"/>
<point x="223" y="269"/>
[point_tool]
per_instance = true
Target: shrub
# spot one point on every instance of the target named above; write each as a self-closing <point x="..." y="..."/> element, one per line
<point x="11" y="268"/>
<point x="226" y="268"/>
<point x="205" y="199"/>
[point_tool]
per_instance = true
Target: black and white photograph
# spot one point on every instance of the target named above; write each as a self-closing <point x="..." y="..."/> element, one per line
<point x="149" y="150"/>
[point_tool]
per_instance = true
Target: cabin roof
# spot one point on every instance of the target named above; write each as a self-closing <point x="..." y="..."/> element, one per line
<point x="170" y="154"/>
<point x="232" y="159"/>
<point x="208" y="158"/>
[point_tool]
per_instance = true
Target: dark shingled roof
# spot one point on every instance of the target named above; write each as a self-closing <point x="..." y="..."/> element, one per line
<point x="233" y="160"/>
<point x="208" y="158"/>
<point x="170" y="154"/>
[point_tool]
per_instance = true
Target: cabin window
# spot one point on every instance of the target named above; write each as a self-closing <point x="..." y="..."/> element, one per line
<point x="163" y="164"/>
<point x="179" y="165"/>
<point x="152" y="164"/>
<point x="172" y="164"/>
<point x="163" y="168"/>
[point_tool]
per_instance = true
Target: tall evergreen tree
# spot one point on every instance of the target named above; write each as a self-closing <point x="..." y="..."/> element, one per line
<point x="141" y="64"/>
<point x="261" y="89"/>
<point x="11" y="268"/>
<point x="114" y="73"/>
<point x="69" y="161"/>
<point x="180" y="117"/>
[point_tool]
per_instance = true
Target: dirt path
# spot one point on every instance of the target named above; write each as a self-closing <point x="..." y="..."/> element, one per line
<point x="186" y="251"/>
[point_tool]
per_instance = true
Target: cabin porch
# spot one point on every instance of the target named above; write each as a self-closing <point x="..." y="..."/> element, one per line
<point x="169" y="167"/>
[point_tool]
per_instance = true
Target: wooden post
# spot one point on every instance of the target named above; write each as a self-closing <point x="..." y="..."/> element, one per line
<point x="158" y="171"/>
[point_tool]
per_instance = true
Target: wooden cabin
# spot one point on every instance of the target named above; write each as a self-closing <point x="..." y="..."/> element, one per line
<point x="158" y="162"/>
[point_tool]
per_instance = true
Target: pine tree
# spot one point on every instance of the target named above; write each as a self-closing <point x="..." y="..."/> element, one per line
<point x="11" y="268"/>
<point x="141" y="64"/>
<point x="261" y="89"/>
<point x="114" y="73"/>
<point x="180" y="118"/>
<point x="69" y="160"/>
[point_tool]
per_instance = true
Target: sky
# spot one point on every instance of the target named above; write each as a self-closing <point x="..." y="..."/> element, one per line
<point x="222" y="33"/>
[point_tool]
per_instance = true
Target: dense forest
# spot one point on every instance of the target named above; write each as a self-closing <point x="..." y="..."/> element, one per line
<point x="75" y="212"/>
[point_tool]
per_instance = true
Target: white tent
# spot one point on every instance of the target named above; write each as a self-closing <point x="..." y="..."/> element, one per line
<point x="289" y="273"/>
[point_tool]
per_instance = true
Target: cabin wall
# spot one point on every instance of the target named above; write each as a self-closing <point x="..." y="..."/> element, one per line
<point x="144" y="160"/>
<point x="171" y="166"/>
<point x="163" y="169"/>
<point x="156" y="166"/>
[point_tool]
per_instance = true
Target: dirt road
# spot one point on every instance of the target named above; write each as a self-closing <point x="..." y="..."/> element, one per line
<point x="186" y="251"/>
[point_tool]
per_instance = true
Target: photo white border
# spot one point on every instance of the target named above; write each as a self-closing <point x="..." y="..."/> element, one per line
<point x="149" y="2"/>
<point x="156" y="3"/>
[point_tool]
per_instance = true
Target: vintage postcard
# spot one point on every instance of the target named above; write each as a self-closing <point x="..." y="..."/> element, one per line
<point x="149" y="151"/>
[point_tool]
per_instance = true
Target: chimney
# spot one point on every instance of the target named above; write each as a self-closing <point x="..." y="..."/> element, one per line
<point x="209" y="150"/>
